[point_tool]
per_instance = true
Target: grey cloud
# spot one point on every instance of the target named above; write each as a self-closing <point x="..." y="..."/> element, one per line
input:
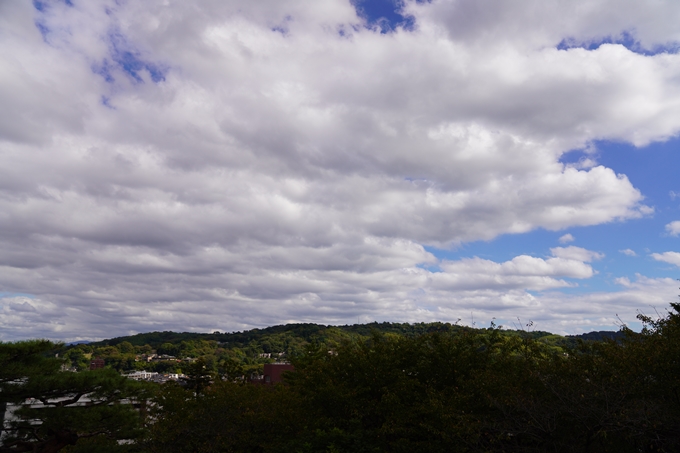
<point x="552" y="21"/>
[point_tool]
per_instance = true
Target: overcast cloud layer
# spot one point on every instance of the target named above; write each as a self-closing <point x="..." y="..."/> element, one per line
<point x="173" y="165"/>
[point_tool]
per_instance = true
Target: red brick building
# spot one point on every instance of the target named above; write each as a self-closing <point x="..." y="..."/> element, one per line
<point x="273" y="372"/>
<point x="96" y="364"/>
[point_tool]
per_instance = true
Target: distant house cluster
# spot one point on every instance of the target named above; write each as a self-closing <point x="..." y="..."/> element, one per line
<point x="272" y="374"/>
<point x="154" y="377"/>
<point x="158" y="358"/>
<point x="268" y="355"/>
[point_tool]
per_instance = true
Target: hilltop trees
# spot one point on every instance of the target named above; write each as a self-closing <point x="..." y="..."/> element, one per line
<point x="481" y="390"/>
<point x="434" y="392"/>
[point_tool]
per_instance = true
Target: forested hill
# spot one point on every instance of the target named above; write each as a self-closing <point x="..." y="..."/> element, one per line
<point x="313" y="332"/>
<point x="248" y="351"/>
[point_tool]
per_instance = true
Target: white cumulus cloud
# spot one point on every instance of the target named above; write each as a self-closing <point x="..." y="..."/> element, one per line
<point x="567" y="238"/>
<point x="667" y="257"/>
<point x="673" y="228"/>
<point x="228" y="164"/>
<point x="576" y="253"/>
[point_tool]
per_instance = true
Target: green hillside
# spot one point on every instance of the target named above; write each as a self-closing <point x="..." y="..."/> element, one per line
<point x="246" y="352"/>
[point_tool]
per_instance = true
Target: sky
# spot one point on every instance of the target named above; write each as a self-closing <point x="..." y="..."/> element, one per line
<point x="225" y="165"/>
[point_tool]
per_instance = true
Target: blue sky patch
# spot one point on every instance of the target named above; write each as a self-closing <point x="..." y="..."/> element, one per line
<point x="106" y="101"/>
<point x="283" y="27"/>
<point x="384" y="14"/>
<point x="628" y="244"/>
<point x="430" y="267"/>
<point x="124" y="57"/>
<point x="626" y="39"/>
<point x="42" y="28"/>
<point x="40" y="6"/>
<point x="104" y="70"/>
<point x="131" y="63"/>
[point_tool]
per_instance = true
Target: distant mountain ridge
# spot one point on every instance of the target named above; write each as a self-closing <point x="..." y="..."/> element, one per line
<point x="599" y="335"/>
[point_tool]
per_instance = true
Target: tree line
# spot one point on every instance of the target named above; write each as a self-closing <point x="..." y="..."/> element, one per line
<point x="247" y="352"/>
<point x="441" y="390"/>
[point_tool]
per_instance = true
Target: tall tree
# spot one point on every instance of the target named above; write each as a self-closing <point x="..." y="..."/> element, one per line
<point x="17" y="361"/>
<point x="52" y="409"/>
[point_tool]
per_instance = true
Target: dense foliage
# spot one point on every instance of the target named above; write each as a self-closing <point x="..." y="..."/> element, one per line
<point x="245" y="353"/>
<point x="443" y="388"/>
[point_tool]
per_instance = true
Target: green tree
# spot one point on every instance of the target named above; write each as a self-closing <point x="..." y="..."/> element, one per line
<point x="126" y="347"/>
<point x="228" y="417"/>
<point x="146" y="349"/>
<point x="18" y="360"/>
<point x="199" y="376"/>
<point x="77" y="359"/>
<point x="54" y="409"/>
<point x="230" y="368"/>
<point x="169" y="349"/>
<point x="395" y="393"/>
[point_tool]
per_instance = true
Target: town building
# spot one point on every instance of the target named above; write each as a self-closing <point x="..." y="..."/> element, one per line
<point x="96" y="364"/>
<point x="273" y="372"/>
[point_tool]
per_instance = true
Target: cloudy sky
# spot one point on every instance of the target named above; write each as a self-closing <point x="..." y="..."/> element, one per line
<point x="229" y="164"/>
